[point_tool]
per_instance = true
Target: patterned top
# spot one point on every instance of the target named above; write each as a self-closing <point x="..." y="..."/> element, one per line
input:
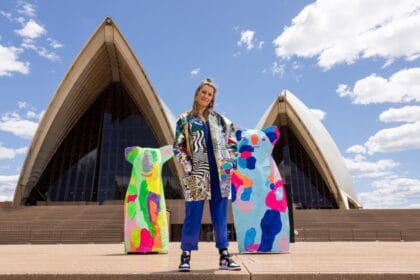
<point x="191" y="151"/>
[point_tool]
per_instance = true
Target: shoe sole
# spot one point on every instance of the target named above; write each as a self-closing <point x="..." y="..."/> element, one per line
<point x="230" y="269"/>
<point x="184" y="269"/>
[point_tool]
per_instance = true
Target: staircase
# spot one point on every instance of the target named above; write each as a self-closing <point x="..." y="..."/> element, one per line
<point x="61" y="224"/>
<point x="105" y="224"/>
<point x="357" y="225"/>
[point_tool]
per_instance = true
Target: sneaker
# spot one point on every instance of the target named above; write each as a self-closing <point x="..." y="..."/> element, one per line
<point x="184" y="266"/>
<point x="226" y="262"/>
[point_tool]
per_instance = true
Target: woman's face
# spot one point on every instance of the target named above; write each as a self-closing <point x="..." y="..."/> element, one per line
<point x="204" y="96"/>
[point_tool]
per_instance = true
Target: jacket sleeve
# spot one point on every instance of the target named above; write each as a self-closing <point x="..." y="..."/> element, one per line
<point x="230" y="138"/>
<point x="181" y="145"/>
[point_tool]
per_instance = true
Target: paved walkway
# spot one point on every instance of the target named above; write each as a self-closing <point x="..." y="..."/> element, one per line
<point x="307" y="260"/>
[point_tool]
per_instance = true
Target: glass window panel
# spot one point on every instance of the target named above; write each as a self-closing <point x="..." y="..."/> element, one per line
<point x="308" y="188"/>
<point x="89" y="165"/>
<point x="125" y="126"/>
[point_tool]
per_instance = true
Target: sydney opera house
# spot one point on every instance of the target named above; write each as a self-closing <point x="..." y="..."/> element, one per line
<point x="106" y="102"/>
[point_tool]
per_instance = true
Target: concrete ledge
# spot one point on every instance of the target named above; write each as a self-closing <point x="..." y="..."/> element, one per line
<point x="306" y="260"/>
<point x="337" y="276"/>
<point x="172" y="276"/>
<point x="201" y="276"/>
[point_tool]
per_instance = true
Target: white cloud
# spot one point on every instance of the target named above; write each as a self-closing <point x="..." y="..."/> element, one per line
<point x="319" y="114"/>
<point x="357" y="149"/>
<point x="343" y="90"/>
<point x="31" y="115"/>
<point x="402" y="86"/>
<point x="31" y="30"/>
<point x="34" y="115"/>
<point x="404" y="114"/>
<point x="54" y="43"/>
<point x="394" y="139"/>
<point x="392" y="192"/>
<point x="278" y="69"/>
<point x="26" y="9"/>
<point x="41" y="51"/>
<point x="10" y="153"/>
<point x="195" y="71"/>
<point x="13" y="123"/>
<point x="359" y="167"/>
<point x="21" y="20"/>
<point x="22" y="104"/>
<point x="296" y="65"/>
<point x="7" y="187"/>
<point x="6" y="15"/>
<point x="413" y="205"/>
<point x="341" y="31"/>
<point x="247" y="39"/>
<point x="401" y="138"/>
<point x="9" y="61"/>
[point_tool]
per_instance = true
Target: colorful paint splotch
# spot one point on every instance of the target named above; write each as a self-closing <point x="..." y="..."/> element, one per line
<point x="259" y="199"/>
<point x="145" y="222"/>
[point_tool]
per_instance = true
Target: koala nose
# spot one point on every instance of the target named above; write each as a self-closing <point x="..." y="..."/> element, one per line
<point x="147" y="162"/>
<point x="254" y="139"/>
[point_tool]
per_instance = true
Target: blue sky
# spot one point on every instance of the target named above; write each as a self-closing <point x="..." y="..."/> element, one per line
<point x="355" y="63"/>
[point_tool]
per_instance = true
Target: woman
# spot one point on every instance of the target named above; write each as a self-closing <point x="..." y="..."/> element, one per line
<point x="203" y="146"/>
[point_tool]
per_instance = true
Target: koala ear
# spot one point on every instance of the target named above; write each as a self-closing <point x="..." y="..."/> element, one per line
<point x="166" y="152"/>
<point x="131" y="153"/>
<point x="238" y="134"/>
<point x="272" y="133"/>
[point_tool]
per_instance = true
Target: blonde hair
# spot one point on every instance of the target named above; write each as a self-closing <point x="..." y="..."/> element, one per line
<point x="209" y="108"/>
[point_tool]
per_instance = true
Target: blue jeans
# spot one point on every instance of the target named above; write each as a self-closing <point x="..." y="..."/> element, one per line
<point x="192" y="221"/>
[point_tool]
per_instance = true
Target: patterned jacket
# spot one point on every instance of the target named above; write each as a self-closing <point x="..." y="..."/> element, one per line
<point x="191" y="151"/>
